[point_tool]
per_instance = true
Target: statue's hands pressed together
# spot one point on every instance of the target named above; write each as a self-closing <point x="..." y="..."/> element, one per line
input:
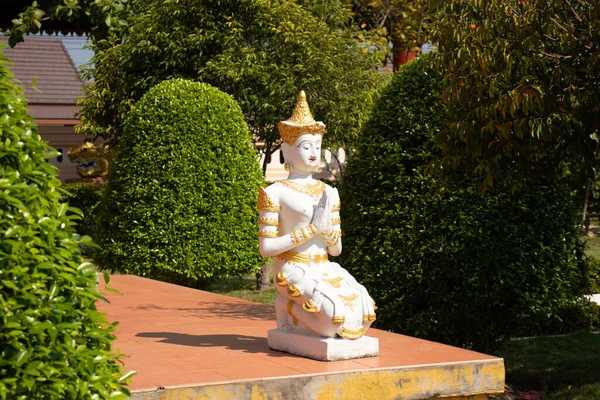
<point x="322" y="217"/>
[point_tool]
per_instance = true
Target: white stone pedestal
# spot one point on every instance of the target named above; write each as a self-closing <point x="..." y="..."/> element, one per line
<point x="320" y="348"/>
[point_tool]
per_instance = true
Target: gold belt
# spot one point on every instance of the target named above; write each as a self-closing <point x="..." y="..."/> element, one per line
<point x="302" y="258"/>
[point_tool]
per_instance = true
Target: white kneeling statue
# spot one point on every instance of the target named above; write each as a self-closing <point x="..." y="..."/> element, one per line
<point x="320" y="305"/>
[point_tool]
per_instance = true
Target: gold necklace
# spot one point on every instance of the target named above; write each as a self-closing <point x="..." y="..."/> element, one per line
<point x="313" y="190"/>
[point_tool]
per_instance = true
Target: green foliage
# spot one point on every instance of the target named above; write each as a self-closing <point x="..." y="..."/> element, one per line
<point x="54" y="344"/>
<point x="180" y="203"/>
<point x="405" y="23"/>
<point x="85" y="196"/>
<point x="461" y="268"/>
<point x="522" y="87"/>
<point x="102" y="16"/>
<point x="594" y="267"/>
<point x="262" y="52"/>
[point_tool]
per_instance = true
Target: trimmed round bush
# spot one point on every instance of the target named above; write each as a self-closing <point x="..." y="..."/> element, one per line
<point x="180" y="203"/>
<point x="54" y="344"/>
<point x="458" y="267"/>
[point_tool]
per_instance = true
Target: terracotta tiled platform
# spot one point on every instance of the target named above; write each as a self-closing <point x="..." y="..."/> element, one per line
<point x="191" y="344"/>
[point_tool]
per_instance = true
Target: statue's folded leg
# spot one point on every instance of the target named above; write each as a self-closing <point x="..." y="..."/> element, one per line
<point x="365" y="298"/>
<point x="306" y="303"/>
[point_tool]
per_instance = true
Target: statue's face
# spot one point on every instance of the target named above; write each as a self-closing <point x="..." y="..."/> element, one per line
<point x="305" y="154"/>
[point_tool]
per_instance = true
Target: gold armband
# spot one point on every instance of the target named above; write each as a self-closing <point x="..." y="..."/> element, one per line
<point x="303" y="235"/>
<point x="337" y="207"/>
<point x="336" y="221"/>
<point x="268" y="221"/>
<point x="268" y="233"/>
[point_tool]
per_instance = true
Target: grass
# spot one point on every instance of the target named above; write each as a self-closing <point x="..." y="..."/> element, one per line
<point x="563" y="368"/>
<point x="243" y="287"/>
<point x="593" y="244"/>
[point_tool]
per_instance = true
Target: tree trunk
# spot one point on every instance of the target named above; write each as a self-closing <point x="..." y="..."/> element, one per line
<point x="263" y="280"/>
<point x="268" y="152"/>
<point x="585" y="227"/>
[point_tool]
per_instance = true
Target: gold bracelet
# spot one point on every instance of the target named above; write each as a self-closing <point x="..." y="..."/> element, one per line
<point x="330" y="235"/>
<point x="304" y="234"/>
<point x="296" y="239"/>
<point x="332" y="242"/>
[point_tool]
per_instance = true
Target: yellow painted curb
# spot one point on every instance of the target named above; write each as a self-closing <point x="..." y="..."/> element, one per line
<point x="468" y="380"/>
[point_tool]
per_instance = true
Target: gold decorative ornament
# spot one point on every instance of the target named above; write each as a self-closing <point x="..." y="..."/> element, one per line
<point x="280" y="280"/>
<point x="335" y="243"/>
<point x="305" y="235"/>
<point x="330" y="235"/>
<point x="313" y="229"/>
<point x="349" y="300"/>
<point x="268" y="221"/>
<point x="297" y="241"/>
<point x="302" y="258"/>
<point x="99" y="156"/>
<point x="352" y="297"/>
<point x="335" y="282"/>
<point x="338" y="320"/>
<point x="290" y="304"/>
<point x="350" y="334"/>
<point x="268" y="233"/>
<point x="301" y="122"/>
<point x="319" y="258"/>
<point x="336" y="221"/>
<point x="302" y="235"/>
<point x="337" y="207"/>
<point x="374" y="306"/>
<point x="294" y="291"/>
<point x="310" y="307"/>
<point x="293" y="257"/>
<point x="369" y="317"/>
<point x="332" y="239"/>
<point x="287" y="166"/>
<point x="265" y="203"/>
<point x="312" y="189"/>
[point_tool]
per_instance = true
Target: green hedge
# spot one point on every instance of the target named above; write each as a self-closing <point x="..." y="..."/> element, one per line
<point x="85" y="196"/>
<point x="461" y="268"/>
<point x="54" y="344"/>
<point x="180" y="204"/>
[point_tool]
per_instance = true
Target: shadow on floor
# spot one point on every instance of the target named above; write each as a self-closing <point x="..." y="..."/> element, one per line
<point x="247" y="344"/>
<point x="220" y="310"/>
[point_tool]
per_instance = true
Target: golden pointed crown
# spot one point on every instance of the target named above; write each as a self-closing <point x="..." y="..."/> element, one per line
<point x="301" y="122"/>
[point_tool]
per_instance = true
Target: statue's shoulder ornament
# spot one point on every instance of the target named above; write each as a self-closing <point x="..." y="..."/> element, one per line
<point x="265" y="202"/>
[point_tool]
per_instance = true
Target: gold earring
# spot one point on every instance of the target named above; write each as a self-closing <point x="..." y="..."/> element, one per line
<point x="287" y="166"/>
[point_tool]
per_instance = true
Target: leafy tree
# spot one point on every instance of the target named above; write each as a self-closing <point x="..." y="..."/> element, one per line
<point x="180" y="202"/>
<point x="54" y="344"/>
<point x="405" y="23"/>
<point x="461" y="268"/>
<point x="101" y="17"/>
<point x="522" y="88"/>
<point x="260" y="51"/>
